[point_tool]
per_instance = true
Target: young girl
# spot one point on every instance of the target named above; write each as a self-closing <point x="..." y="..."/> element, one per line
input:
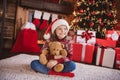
<point x="59" y="30"/>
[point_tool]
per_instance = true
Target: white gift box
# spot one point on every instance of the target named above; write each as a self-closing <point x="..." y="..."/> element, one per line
<point x="81" y="39"/>
<point x="108" y="57"/>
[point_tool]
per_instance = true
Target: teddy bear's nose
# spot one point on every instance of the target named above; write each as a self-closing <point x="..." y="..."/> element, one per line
<point x="56" y="53"/>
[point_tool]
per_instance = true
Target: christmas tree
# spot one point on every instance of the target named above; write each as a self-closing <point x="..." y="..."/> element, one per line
<point x="97" y="15"/>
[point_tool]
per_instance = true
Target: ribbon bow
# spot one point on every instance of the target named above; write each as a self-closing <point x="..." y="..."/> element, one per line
<point x="86" y="35"/>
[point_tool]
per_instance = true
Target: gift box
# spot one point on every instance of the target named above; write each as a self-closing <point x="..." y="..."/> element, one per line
<point x="105" y="57"/>
<point x="118" y="42"/>
<point x="106" y="43"/>
<point x="82" y="52"/>
<point x="117" y="60"/>
<point x="117" y="64"/>
<point x="112" y="35"/>
<point x="88" y="37"/>
<point x="117" y="26"/>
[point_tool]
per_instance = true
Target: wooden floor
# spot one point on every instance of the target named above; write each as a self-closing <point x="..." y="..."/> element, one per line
<point x="6" y="53"/>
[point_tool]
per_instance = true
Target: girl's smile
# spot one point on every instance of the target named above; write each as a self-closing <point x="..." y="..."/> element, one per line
<point x="61" y="31"/>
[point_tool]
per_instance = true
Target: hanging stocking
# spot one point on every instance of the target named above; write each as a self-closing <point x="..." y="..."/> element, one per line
<point x="54" y="17"/>
<point x="44" y="24"/>
<point x="37" y="16"/>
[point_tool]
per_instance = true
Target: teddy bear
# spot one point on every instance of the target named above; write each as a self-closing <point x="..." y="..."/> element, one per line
<point x="54" y="56"/>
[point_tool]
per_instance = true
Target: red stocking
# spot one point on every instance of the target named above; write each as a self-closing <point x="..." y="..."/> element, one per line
<point x="36" y="22"/>
<point x="69" y="74"/>
<point x="44" y="25"/>
<point x="46" y="17"/>
<point x="37" y="17"/>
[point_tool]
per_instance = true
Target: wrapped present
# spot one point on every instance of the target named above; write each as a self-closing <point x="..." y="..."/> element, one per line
<point x="117" y="26"/>
<point x="105" y="57"/>
<point x="88" y="37"/>
<point x="117" y="64"/>
<point x="112" y="35"/>
<point x="117" y="60"/>
<point x="118" y="42"/>
<point x="82" y="52"/>
<point x="106" y="43"/>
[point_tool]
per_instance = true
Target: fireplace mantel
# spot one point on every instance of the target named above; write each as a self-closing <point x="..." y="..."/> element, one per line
<point x="48" y="6"/>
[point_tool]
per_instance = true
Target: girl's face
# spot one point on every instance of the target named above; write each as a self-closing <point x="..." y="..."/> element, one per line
<point x="61" y="31"/>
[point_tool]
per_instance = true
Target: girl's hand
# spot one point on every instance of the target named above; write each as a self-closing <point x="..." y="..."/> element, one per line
<point x="51" y="63"/>
<point x="58" y="57"/>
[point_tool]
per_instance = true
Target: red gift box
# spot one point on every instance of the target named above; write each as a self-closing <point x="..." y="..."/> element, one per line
<point x="106" y="43"/>
<point x="117" y="61"/>
<point x="112" y="35"/>
<point x="83" y="52"/>
<point x="105" y="57"/>
<point x="117" y="27"/>
<point x="117" y="65"/>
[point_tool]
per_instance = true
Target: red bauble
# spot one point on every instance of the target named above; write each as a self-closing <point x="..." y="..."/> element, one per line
<point x="91" y="24"/>
<point x="81" y="11"/>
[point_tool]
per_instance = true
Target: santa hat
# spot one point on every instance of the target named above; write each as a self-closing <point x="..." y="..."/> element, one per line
<point x="53" y="26"/>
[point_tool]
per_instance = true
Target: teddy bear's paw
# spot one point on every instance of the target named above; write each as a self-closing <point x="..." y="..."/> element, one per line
<point x="58" y="67"/>
<point x="43" y="59"/>
<point x="63" y="52"/>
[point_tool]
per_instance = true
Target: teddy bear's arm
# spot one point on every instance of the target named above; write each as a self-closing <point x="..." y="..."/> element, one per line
<point x="58" y="56"/>
<point x="63" y="53"/>
<point x="44" y="51"/>
<point x="42" y="58"/>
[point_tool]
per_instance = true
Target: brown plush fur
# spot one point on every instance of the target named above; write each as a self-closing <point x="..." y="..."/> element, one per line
<point x="57" y="50"/>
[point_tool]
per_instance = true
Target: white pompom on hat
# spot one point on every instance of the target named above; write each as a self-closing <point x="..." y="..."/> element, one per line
<point x="53" y="26"/>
